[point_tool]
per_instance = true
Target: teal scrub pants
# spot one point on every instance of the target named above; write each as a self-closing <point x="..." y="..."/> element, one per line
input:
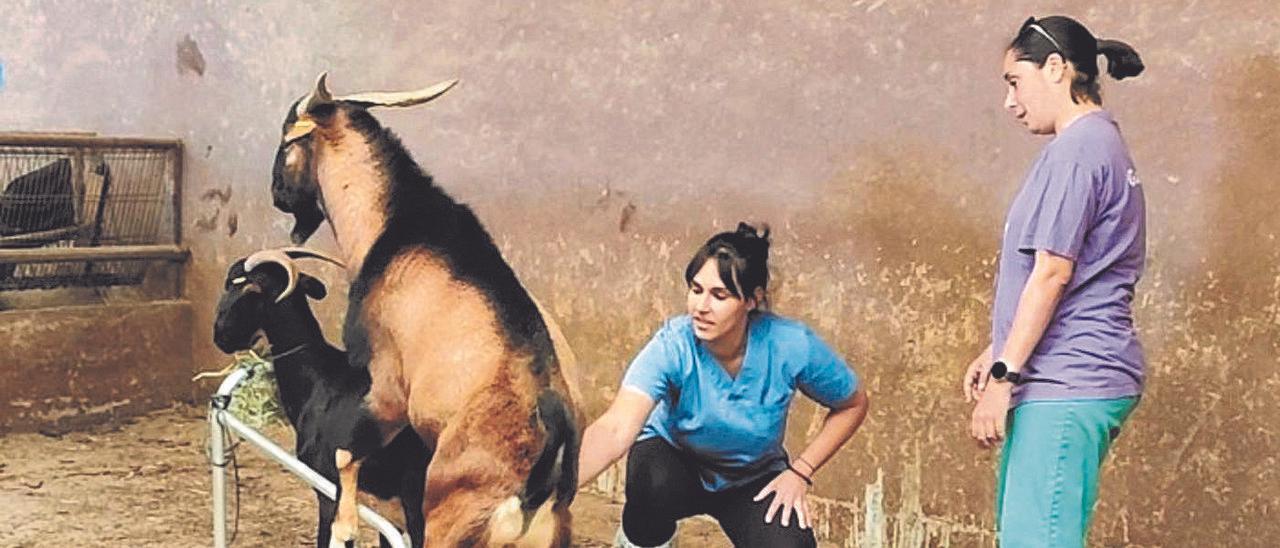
<point x="1048" y="477"/>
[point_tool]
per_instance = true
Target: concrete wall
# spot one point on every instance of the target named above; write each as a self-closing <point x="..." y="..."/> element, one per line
<point x="66" y="366"/>
<point x="602" y="141"/>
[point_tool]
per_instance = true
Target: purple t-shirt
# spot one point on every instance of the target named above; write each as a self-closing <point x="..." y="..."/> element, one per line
<point x="1081" y="200"/>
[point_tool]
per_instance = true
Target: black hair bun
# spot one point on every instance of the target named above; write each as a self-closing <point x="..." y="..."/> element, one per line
<point x="1122" y="61"/>
<point x="753" y="241"/>
<point x="749" y="231"/>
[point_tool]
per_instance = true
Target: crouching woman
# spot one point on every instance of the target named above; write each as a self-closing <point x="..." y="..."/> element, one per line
<point x="703" y="409"/>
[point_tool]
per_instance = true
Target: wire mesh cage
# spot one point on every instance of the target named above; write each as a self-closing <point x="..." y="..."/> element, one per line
<point x="84" y="192"/>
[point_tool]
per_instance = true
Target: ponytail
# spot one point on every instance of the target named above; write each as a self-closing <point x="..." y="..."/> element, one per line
<point x="1122" y="61"/>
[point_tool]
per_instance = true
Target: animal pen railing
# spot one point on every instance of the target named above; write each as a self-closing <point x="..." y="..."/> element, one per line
<point x="222" y="421"/>
<point x="87" y="211"/>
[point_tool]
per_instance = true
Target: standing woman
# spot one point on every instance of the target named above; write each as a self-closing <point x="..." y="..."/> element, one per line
<point x="1068" y="368"/>
<point x="703" y="409"/>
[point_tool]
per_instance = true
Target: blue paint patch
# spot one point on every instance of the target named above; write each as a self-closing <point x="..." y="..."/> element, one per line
<point x="1" y="74"/>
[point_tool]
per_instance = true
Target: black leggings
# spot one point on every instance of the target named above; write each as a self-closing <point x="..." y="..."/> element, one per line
<point x="663" y="486"/>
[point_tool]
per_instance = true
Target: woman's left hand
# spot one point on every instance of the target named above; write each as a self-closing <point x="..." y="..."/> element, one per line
<point x="988" y="424"/>
<point x="789" y="494"/>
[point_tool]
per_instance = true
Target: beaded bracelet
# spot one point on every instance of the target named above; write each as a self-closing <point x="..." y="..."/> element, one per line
<point x="806" y="479"/>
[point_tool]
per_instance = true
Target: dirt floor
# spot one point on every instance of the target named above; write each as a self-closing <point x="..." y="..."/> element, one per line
<point x="145" y="482"/>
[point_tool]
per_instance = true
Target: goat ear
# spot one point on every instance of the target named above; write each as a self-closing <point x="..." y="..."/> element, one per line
<point x="398" y="98"/>
<point x="312" y="287"/>
<point x="302" y="128"/>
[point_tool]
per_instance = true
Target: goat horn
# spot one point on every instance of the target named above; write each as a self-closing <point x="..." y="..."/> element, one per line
<point x="304" y="253"/>
<point x="398" y="98"/>
<point x="317" y="97"/>
<point x="275" y="256"/>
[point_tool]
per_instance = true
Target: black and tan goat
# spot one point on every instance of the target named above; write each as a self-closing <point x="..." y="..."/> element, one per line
<point x="322" y="396"/>
<point x="455" y="345"/>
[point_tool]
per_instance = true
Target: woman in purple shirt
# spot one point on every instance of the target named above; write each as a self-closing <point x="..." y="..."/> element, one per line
<point x="1067" y="367"/>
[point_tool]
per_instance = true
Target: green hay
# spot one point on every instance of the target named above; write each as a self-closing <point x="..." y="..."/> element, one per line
<point x="254" y="401"/>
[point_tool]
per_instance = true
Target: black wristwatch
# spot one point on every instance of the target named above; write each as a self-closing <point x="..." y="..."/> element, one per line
<point x="1000" y="372"/>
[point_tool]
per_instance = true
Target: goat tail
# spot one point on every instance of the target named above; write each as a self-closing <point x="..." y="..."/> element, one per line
<point x="534" y="517"/>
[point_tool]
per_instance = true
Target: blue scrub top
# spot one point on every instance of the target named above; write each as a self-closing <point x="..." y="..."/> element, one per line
<point x="734" y="426"/>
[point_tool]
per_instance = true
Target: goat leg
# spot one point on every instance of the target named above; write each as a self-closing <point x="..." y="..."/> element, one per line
<point x="344" y="524"/>
<point x="324" y="523"/>
<point x="411" y="499"/>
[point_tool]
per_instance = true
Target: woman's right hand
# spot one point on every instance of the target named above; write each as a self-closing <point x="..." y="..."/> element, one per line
<point x="976" y="376"/>
<point x="611" y="435"/>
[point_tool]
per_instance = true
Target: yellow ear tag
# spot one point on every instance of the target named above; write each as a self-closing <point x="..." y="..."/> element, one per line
<point x="239" y="280"/>
<point x="302" y="128"/>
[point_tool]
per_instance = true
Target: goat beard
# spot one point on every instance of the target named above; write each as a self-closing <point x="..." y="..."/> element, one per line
<point x="305" y="223"/>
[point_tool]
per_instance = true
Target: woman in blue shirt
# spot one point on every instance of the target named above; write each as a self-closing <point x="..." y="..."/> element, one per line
<point x="703" y="409"/>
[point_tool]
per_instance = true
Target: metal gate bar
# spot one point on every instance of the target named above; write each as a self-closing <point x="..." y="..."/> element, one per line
<point x="220" y="421"/>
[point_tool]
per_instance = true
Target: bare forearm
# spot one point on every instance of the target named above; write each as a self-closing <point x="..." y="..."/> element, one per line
<point x="1036" y="306"/>
<point x="600" y="448"/>
<point x="609" y="437"/>
<point x="838" y="426"/>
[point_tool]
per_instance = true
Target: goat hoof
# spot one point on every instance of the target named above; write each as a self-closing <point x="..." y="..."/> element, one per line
<point x="343" y="536"/>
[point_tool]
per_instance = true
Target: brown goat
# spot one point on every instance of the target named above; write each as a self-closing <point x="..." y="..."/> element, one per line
<point x="454" y="344"/>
